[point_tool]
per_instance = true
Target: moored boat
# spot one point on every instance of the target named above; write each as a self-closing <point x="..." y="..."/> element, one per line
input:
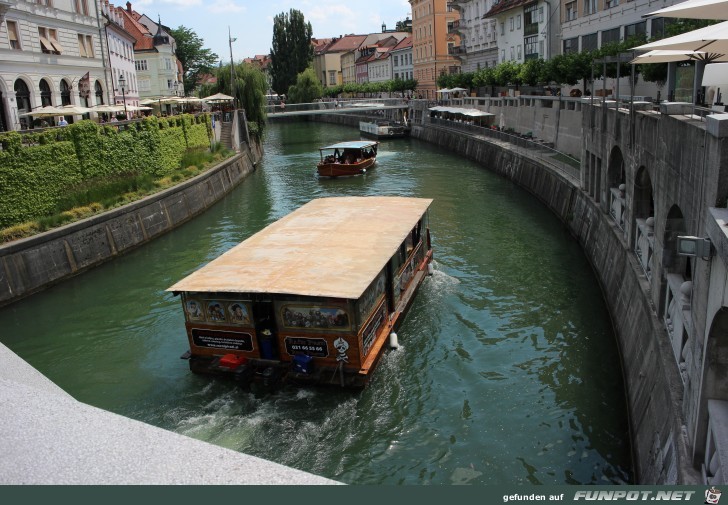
<point x="314" y="298"/>
<point x="347" y="158"/>
<point x="384" y="129"/>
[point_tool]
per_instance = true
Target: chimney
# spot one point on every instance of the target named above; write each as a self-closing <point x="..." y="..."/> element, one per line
<point x="128" y="7"/>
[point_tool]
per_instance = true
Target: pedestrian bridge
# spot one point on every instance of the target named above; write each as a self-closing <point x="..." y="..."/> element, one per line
<point x="334" y="107"/>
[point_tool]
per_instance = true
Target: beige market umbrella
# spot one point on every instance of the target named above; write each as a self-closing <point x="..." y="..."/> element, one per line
<point x="47" y="111"/>
<point x="131" y="108"/>
<point x="694" y="9"/>
<point x="73" y="110"/>
<point x="108" y="108"/>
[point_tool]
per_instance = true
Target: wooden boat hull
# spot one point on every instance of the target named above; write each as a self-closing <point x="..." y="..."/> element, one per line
<point x="344" y="170"/>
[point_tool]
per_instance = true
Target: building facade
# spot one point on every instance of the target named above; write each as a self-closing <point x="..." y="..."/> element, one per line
<point x="526" y="29"/>
<point x="433" y="47"/>
<point x="478" y="34"/>
<point x="51" y="54"/>
<point x="401" y="56"/>
<point x="119" y="57"/>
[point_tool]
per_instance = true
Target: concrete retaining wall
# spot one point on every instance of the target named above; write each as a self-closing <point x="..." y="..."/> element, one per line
<point x="653" y="386"/>
<point x="32" y="264"/>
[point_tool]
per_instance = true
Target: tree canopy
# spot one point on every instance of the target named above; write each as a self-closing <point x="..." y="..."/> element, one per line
<point x="250" y="89"/>
<point x="306" y="89"/>
<point x="292" y="51"/>
<point x="195" y="59"/>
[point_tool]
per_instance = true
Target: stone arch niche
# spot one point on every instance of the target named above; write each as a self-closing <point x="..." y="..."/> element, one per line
<point x="643" y="215"/>
<point x="616" y="179"/>
<point x="676" y="306"/>
<point x="711" y="442"/>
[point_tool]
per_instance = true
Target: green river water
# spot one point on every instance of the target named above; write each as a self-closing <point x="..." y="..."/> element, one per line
<point x="508" y="370"/>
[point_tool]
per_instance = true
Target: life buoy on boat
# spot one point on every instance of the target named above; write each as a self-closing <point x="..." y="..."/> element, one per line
<point x="393" y="342"/>
<point x="391" y="132"/>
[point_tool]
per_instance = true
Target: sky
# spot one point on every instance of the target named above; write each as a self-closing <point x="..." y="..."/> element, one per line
<point x="250" y="22"/>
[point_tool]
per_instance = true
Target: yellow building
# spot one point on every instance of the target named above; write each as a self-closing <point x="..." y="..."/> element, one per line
<point x="432" y="46"/>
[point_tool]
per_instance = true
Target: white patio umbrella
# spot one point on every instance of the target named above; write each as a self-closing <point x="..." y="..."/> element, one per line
<point x="694" y="9"/>
<point x="712" y="40"/>
<point x="670" y="55"/>
<point x="218" y="97"/>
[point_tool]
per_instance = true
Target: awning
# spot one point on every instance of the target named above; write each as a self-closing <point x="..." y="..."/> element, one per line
<point x="460" y="110"/>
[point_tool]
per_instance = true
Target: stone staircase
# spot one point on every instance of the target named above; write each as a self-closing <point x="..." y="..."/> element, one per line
<point x="226" y="134"/>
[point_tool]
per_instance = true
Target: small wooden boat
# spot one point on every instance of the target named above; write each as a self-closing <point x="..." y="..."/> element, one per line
<point x="314" y="298"/>
<point x="347" y="158"/>
<point x="384" y="129"/>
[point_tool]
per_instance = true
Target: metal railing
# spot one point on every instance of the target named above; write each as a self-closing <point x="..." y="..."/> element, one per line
<point x="523" y="144"/>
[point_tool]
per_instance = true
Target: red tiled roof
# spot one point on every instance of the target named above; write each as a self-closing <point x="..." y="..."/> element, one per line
<point x="346" y="43"/>
<point x="403" y="44"/>
<point x="505" y="5"/>
<point x="144" y="40"/>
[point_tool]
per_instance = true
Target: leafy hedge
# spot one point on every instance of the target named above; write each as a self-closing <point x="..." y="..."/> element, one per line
<point x="38" y="169"/>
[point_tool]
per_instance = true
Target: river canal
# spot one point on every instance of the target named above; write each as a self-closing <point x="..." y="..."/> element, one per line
<point x="508" y="370"/>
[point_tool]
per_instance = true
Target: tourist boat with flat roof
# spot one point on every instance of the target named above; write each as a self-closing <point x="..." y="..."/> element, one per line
<point x="314" y="298"/>
<point x="347" y="158"/>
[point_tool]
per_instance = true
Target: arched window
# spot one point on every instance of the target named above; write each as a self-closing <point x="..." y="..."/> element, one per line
<point x="22" y="96"/>
<point x="99" y="93"/>
<point x="65" y="93"/>
<point x="45" y="93"/>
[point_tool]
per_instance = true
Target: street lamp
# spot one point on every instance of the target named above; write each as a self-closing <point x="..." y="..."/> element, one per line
<point x="122" y="85"/>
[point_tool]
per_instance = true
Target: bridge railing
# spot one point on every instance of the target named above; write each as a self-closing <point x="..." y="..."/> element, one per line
<point x="331" y="104"/>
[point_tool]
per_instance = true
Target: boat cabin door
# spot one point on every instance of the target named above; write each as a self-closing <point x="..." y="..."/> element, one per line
<point x="265" y="329"/>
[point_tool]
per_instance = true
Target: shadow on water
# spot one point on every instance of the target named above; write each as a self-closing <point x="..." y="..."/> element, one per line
<point x="508" y="371"/>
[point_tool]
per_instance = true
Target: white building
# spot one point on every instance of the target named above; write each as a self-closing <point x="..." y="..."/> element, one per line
<point x="478" y="34"/>
<point x="526" y="29"/>
<point x="119" y="56"/>
<point x="401" y="58"/>
<point x="47" y="48"/>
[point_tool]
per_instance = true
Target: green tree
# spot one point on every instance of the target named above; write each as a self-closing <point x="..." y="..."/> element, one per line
<point x="195" y="59"/>
<point x="250" y="89"/>
<point x="292" y="51"/>
<point x="306" y="89"/>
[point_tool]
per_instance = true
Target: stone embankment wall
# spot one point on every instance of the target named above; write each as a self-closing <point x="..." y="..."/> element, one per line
<point x="651" y="381"/>
<point x="32" y="264"/>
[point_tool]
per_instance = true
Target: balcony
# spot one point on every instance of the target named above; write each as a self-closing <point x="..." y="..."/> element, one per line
<point x="456" y="51"/>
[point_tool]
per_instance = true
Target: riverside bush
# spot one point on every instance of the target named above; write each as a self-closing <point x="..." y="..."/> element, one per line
<point x="42" y="174"/>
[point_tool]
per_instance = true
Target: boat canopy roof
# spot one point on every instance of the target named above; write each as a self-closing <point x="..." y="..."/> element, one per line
<point x="330" y="247"/>
<point x="356" y="144"/>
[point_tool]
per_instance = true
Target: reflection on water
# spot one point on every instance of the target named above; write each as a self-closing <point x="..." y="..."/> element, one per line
<point x="507" y="371"/>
